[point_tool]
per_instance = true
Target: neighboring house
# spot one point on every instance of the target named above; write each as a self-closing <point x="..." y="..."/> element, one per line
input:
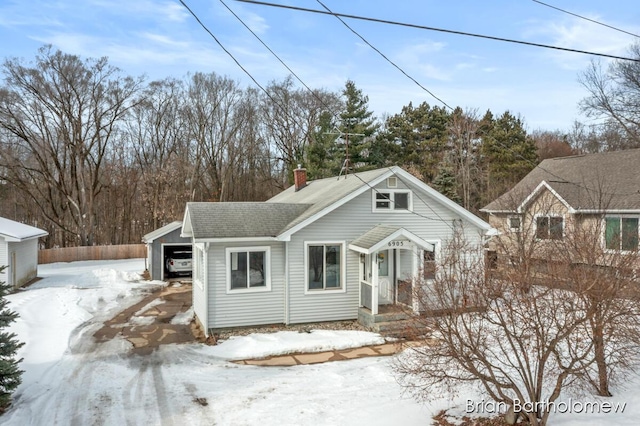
<point x="161" y="244"/>
<point x="322" y="250"/>
<point x="19" y="251"/>
<point x="599" y="193"/>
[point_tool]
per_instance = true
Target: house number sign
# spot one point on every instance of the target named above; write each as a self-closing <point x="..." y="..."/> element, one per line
<point x="398" y="243"/>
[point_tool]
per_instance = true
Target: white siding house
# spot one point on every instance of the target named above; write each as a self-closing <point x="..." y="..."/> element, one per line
<point x="19" y="252"/>
<point x="319" y="251"/>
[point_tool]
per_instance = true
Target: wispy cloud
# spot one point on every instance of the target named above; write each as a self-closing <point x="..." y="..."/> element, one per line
<point x="420" y="57"/>
<point x="579" y="34"/>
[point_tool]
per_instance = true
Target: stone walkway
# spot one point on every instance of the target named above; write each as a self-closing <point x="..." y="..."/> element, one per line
<point x="384" y="349"/>
<point x="147" y="325"/>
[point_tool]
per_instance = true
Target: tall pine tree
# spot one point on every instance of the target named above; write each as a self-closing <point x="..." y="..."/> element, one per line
<point x="10" y="374"/>
<point x="508" y="153"/>
<point x="417" y="138"/>
<point x="359" y="125"/>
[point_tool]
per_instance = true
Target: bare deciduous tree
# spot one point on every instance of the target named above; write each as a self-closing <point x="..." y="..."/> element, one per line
<point x="58" y="119"/>
<point x="558" y="311"/>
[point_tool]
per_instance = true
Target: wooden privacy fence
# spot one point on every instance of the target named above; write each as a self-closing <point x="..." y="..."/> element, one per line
<point x="72" y="254"/>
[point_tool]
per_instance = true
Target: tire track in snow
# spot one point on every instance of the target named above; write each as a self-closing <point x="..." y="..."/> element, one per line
<point x="149" y="377"/>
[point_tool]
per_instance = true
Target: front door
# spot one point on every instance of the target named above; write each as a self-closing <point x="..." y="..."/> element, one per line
<point x="386" y="286"/>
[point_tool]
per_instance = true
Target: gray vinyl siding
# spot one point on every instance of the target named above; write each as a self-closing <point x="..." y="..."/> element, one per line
<point x="432" y="222"/>
<point x="4" y="261"/>
<point x="245" y="309"/>
<point x="26" y="255"/>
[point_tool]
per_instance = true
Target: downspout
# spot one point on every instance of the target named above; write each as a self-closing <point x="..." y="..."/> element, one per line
<point x="205" y="285"/>
<point x="286" y="284"/>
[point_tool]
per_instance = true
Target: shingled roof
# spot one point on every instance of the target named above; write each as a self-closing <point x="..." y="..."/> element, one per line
<point x="323" y="193"/>
<point x="604" y="181"/>
<point x="291" y="209"/>
<point x="241" y="220"/>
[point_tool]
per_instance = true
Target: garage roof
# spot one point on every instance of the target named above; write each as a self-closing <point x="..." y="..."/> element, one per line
<point x="160" y="232"/>
<point x="15" y="231"/>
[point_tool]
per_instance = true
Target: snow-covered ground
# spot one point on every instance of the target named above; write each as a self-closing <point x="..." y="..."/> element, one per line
<point x="69" y="380"/>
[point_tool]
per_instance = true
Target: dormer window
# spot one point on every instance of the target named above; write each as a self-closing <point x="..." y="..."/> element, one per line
<point x="392" y="200"/>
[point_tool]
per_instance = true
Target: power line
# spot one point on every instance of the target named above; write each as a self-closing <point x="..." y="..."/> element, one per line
<point x="274" y="54"/>
<point x="384" y="56"/>
<point x="585" y="18"/>
<point x="423" y="27"/>
<point x="313" y="93"/>
<point x="439" y="219"/>
<point x="284" y="110"/>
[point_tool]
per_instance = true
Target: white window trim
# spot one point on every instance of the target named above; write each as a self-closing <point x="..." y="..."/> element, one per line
<point x="198" y="266"/>
<point x="604" y="232"/>
<point x="392" y="192"/>
<point x="267" y="269"/>
<point x="548" y="215"/>
<point x="392" y="182"/>
<point x="343" y="267"/>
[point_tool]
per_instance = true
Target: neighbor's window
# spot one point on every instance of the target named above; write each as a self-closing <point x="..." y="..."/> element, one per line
<point x="392" y="200"/>
<point x="549" y="227"/>
<point x="621" y="233"/>
<point x="324" y="266"/>
<point x="514" y="223"/>
<point x="248" y="269"/>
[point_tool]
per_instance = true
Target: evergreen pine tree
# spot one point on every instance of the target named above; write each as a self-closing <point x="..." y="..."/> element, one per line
<point x="445" y="183"/>
<point x="356" y="118"/>
<point x="10" y="375"/>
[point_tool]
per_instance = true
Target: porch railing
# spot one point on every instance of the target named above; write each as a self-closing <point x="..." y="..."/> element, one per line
<point x="365" y="294"/>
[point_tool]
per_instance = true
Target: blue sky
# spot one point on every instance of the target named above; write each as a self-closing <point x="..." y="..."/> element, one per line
<point x="159" y="38"/>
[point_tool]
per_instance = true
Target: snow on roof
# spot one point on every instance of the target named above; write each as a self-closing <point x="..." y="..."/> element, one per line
<point x="16" y="231"/>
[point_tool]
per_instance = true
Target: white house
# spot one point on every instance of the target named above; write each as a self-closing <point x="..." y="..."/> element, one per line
<point x="19" y="251"/>
<point x="322" y="250"/>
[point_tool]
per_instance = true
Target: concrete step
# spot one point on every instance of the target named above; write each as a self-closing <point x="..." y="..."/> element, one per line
<point x="390" y="317"/>
<point x="398" y="329"/>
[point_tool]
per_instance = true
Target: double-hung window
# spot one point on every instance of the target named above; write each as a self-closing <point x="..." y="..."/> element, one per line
<point x="621" y="233"/>
<point x="549" y="227"/>
<point x="248" y="269"/>
<point x="324" y="266"/>
<point x="392" y="200"/>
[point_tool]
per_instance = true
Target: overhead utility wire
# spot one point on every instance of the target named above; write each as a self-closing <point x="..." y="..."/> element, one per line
<point x="264" y="90"/>
<point x="585" y="18"/>
<point x="273" y="53"/>
<point x="383" y="55"/>
<point x="423" y="27"/>
<point x="240" y="65"/>
<point x="313" y="93"/>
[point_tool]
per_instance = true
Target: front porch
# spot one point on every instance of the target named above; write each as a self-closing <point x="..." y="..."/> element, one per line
<point x="393" y="261"/>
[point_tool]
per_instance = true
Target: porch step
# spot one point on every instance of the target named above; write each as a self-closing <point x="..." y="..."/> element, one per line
<point x="401" y="329"/>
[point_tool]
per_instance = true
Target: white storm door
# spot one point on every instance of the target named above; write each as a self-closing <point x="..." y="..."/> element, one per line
<point x="385" y="277"/>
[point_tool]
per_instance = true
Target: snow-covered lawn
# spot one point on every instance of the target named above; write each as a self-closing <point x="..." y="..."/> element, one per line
<point x="69" y="380"/>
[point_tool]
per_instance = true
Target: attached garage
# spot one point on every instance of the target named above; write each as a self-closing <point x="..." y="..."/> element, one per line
<point x="19" y="252"/>
<point x="161" y="244"/>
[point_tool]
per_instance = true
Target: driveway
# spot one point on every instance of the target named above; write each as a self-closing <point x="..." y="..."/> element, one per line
<point x="161" y="318"/>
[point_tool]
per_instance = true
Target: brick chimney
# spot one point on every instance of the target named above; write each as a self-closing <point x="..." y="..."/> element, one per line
<point x="300" y="178"/>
